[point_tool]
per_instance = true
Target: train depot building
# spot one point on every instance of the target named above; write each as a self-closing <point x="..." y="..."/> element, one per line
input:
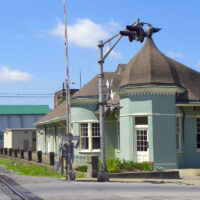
<point x="154" y="115"/>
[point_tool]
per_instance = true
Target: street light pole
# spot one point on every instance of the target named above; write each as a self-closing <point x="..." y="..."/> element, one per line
<point x="103" y="174"/>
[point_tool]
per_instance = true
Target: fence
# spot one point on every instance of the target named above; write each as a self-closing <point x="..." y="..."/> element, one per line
<point x="47" y="159"/>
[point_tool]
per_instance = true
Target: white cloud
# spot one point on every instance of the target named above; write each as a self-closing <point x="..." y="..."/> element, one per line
<point x="8" y="75"/>
<point x="114" y="54"/>
<point x="58" y="31"/>
<point x="174" y="55"/>
<point x="112" y="26"/>
<point x="84" y="32"/>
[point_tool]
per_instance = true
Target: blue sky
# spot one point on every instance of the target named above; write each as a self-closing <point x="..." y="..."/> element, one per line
<point x="32" y="51"/>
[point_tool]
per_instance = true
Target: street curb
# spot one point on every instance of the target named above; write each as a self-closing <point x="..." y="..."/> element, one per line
<point x="152" y="181"/>
<point x="151" y="175"/>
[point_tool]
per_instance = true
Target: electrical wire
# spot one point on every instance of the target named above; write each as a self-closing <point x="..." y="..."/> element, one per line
<point x="28" y="95"/>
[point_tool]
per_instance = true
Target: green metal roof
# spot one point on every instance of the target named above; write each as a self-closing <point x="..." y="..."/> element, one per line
<point x="23" y="109"/>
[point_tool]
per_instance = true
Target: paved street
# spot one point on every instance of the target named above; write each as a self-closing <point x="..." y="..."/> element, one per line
<point x="48" y="188"/>
<point x="53" y="188"/>
<point x="115" y="191"/>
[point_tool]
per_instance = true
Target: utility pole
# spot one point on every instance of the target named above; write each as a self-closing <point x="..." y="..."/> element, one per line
<point x="70" y="173"/>
<point x="103" y="174"/>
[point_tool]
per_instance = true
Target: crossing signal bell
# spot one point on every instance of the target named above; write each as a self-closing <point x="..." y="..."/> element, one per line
<point x="150" y="31"/>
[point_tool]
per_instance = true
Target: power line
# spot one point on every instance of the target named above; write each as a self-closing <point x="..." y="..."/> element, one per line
<point x="31" y="94"/>
<point x="16" y="96"/>
<point x="27" y="95"/>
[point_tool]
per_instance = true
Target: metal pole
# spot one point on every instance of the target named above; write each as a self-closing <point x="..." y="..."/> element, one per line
<point x="70" y="174"/>
<point x="80" y="79"/>
<point x="102" y="174"/>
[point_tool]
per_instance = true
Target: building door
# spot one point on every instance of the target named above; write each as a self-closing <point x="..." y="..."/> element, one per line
<point x="26" y="145"/>
<point x="48" y="143"/>
<point x="142" y="144"/>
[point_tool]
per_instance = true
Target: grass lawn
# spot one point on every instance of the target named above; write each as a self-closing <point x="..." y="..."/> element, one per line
<point x="31" y="170"/>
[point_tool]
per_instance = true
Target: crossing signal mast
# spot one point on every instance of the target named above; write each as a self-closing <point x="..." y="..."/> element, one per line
<point x="136" y="31"/>
<point x="67" y="144"/>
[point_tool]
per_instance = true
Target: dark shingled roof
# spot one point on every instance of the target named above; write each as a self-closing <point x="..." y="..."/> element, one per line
<point x="189" y="79"/>
<point x="121" y="68"/>
<point x="150" y="66"/>
<point x="91" y="89"/>
<point x="59" y="111"/>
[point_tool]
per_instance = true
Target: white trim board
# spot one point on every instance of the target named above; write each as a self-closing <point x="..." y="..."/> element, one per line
<point x="148" y="114"/>
<point x="166" y="163"/>
<point x="150" y="90"/>
<point x="85" y="121"/>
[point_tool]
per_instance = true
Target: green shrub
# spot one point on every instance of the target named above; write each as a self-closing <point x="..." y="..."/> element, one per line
<point x="80" y="175"/>
<point x="127" y="165"/>
<point x="147" y="166"/>
<point x="81" y="169"/>
<point x="113" y="165"/>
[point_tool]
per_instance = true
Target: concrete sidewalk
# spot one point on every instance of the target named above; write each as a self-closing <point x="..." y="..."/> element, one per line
<point x="155" y="181"/>
<point x="187" y="176"/>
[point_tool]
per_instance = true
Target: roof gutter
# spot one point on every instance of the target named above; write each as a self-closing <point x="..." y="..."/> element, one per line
<point x="188" y="103"/>
<point x="56" y="119"/>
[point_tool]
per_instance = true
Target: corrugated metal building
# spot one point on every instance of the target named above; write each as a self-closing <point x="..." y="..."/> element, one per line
<point x="20" y="116"/>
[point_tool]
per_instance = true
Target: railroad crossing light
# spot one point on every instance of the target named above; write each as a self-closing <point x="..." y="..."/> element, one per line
<point x="130" y="34"/>
<point x="136" y="31"/>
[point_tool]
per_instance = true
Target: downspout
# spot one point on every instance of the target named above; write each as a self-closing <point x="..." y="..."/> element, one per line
<point x="55" y="133"/>
<point x="45" y="138"/>
<point x="183" y="122"/>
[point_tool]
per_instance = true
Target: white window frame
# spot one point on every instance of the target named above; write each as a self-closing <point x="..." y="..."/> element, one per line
<point x="95" y="130"/>
<point x="84" y="136"/>
<point x="197" y="133"/>
<point x="138" y="127"/>
<point x="118" y="135"/>
<point x="145" y="126"/>
<point x="90" y="137"/>
<point x="38" y="140"/>
<point x="178" y="134"/>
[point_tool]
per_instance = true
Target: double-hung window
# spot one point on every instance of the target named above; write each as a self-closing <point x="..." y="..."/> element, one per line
<point x="95" y="136"/>
<point x="84" y="136"/>
<point x="178" y="133"/>
<point x="198" y="133"/>
<point x="89" y="136"/>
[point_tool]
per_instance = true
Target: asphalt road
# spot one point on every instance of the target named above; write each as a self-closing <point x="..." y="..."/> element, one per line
<point x="116" y="191"/>
<point x="53" y="189"/>
<point x="48" y="188"/>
